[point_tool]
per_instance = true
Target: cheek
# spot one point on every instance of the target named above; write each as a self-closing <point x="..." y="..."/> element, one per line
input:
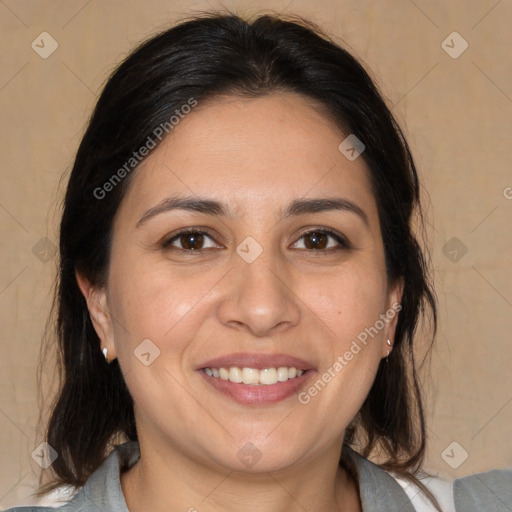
<point x="350" y="356"/>
<point x="170" y="309"/>
<point x="157" y="320"/>
<point x="347" y="302"/>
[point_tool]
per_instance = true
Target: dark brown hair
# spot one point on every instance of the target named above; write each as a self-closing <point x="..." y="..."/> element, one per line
<point x="211" y="55"/>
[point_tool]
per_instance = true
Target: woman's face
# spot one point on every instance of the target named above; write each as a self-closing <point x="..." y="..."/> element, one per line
<point x="249" y="178"/>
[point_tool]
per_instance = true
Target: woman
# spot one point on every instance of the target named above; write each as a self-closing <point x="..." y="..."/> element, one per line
<point x="240" y="285"/>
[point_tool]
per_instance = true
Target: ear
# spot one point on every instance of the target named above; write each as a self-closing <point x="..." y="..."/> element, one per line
<point x="393" y="307"/>
<point x="99" y="313"/>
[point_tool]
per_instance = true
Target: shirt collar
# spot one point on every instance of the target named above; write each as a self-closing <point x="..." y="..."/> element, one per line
<point x="378" y="490"/>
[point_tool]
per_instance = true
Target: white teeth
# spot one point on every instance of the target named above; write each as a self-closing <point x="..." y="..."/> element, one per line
<point x="268" y="376"/>
<point x="253" y="376"/>
<point x="235" y="375"/>
<point x="250" y="376"/>
<point x="282" y="374"/>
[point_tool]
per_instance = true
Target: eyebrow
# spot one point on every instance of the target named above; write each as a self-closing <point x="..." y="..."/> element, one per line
<point x="211" y="207"/>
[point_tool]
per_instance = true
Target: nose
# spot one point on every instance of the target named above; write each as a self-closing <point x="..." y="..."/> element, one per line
<point x="259" y="297"/>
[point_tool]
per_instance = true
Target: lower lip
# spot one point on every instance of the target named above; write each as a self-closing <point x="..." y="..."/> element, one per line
<point x="260" y="394"/>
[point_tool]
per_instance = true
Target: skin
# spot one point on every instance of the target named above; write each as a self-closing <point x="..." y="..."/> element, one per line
<point x="255" y="155"/>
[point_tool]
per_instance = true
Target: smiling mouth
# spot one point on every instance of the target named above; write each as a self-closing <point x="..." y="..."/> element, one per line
<point x="254" y="376"/>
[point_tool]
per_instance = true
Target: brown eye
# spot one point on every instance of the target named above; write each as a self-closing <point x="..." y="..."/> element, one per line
<point x="190" y="241"/>
<point x="322" y="240"/>
<point x="316" y="240"/>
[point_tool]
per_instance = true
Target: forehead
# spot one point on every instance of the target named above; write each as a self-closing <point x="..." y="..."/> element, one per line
<point x="263" y="151"/>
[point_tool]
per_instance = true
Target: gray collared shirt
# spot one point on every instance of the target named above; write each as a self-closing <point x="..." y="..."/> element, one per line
<point x="379" y="491"/>
<point x="490" y="491"/>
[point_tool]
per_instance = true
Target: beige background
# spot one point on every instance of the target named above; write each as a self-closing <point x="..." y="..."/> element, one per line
<point x="457" y="114"/>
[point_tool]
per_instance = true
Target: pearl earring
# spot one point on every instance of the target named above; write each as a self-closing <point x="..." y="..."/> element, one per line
<point x="389" y="344"/>
<point x="105" y="352"/>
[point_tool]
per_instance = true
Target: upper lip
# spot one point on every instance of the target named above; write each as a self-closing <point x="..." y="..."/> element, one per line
<point x="256" y="360"/>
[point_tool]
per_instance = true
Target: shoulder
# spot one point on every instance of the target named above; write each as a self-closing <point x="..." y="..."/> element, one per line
<point x="101" y="492"/>
<point x="72" y="506"/>
<point x="54" y="500"/>
<point x="61" y="499"/>
<point x="31" y="508"/>
<point x="490" y="491"/>
<point x="378" y="489"/>
<point x="387" y="487"/>
<point x="441" y="488"/>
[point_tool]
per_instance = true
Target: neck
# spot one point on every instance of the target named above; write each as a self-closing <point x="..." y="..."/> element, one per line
<point x="166" y="479"/>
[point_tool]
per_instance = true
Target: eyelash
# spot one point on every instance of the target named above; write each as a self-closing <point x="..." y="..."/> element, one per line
<point x="342" y="241"/>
